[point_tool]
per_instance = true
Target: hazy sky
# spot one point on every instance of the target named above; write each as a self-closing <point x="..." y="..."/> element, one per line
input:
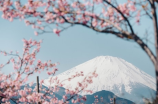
<point x="74" y="46"/>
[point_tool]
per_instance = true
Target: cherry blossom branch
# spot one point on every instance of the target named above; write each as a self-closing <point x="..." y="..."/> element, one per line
<point x="132" y="31"/>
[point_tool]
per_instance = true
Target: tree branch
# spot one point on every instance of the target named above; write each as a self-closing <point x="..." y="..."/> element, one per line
<point x="130" y="26"/>
<point x="123" y="33"/>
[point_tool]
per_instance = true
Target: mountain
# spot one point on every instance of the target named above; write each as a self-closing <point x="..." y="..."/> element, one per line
<point x="115" y="75"/>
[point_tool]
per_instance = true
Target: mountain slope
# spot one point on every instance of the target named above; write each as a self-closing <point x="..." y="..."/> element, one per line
<point x="115" y="75"/>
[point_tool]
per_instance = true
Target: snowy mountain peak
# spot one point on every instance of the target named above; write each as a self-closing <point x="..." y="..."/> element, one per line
<point x="114" y="74"/>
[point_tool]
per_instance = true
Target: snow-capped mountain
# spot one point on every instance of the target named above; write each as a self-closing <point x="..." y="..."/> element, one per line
<point x="115" y="75"/>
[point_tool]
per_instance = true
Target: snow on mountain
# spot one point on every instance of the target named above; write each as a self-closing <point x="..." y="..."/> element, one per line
<point x="115" y="75"/>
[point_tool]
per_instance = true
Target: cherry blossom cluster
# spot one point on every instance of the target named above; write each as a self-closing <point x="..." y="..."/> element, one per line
<point x="14" y="87"/>
<point x="59" y="12"/>
<point x="97" y="100"/>
<point x="80" y="87"/>
<point x="72" y="94"/>
<point x="10" y="85"/>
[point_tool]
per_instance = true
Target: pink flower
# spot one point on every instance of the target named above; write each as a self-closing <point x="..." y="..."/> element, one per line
<point x="11" y="19"/>
<point x="79" y="84"/>
<point x="67" y="91"/>
<point x="26" y="79"/>
<point x="45" y="64"/>
<point x="39" y="22"/>
<point x="49" y="73"/>
<point x="54" y="70"/>
<point x="56" y="31"/>
<point x="96" y="96"/>
<point x="94" y="23"/>
<point x="65" y="97"/>
<point x="30" y="41"/>
<point x="95" y="75"/>
<point x="39" y="61"/>
<point x="16" y="67"/>
<point x="36" y="33"/>
<point x="62" y="21"/>
<point x="1" y="65"/>
<point x="84" y="98"/>
<point x="73" y="101"/>
<point x="138" y="17"/>
<point x="23" y="99"/>
<point x="22" y="93"/>
<point x="42" y="81"/>
<point x="132" y="8"/>
<point x="31" y="62"/>
<point x="27" y="22"/>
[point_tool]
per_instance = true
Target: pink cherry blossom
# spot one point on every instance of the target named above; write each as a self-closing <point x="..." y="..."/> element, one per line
<point x="36" y="33"/>
<point x="56" y="31"/>
<point x="49" y="73"/>
<point x="132" y="7"/>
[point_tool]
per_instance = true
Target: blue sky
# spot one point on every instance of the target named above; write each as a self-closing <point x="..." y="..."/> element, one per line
<point x="74" y="46"/>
